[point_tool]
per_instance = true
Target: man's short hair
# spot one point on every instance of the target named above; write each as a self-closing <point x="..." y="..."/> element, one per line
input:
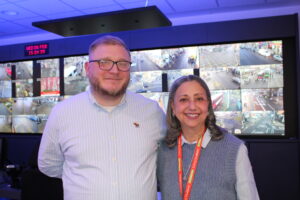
<point x="108" y="40"/>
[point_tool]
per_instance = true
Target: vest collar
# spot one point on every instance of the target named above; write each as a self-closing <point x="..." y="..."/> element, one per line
<point x="206" y="139"/>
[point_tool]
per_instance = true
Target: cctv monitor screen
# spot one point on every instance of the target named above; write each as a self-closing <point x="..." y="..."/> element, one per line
<point x="5" y="123"/>
<point x="5" y="71"/>
<point x="246" y="83"/>
<point x="24" y="88"/>
<point x="5" y="89"/>
<point x="49" y="67"/>
<point x="175" y="74"/>
<point x="6" y="106"/>
<point x="28" y="123"/>
<point x="165" y="59"/>
<point x="75" y="80"/>
<point x="247" y="80"/>
<point x="24" y="69"/>
<point x="50" y="86"/>
<point x="148" y="81"/>
<point x="160" y="97"/>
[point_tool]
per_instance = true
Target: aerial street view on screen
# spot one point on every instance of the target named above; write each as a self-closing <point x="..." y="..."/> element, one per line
<point x="245" y="79"/>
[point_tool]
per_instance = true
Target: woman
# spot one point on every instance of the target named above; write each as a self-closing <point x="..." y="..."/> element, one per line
<point x="198" y="159"/>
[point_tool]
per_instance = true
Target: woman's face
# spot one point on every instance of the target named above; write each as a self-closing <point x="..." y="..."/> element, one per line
<point x="190" y="105"/>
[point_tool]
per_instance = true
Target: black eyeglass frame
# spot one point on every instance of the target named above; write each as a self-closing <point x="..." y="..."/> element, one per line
<point x="113" y="63"/>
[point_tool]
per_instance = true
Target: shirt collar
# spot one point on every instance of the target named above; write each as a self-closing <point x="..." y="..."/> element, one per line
<point x="93" y="100"/>
<point x="206" y="139"/>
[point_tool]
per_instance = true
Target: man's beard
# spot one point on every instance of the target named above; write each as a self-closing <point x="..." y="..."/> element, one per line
<point x="96" y="87"/>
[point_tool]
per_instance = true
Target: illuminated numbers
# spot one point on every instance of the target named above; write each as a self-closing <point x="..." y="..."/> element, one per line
<point x="36" y="49"/>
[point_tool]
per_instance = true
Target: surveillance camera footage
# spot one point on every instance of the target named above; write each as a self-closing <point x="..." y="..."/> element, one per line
<point x="246" y="81"/>
<point x="24" y="70"/>
<point x="75" y="80"/>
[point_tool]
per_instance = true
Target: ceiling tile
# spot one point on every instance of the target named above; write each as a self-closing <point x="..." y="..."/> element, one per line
<point x="102" y="9"/>
<point x="22" y="13"/>
<point x="3" y="2"/>
<point x="27" y="22"/>
<point x="192" y="5"/>
<point x="161" y="4"/>
<point x="136" y="4"/>
<point x="40" y="10"/>
<point x="230" y="3"/>
<point x="13" y="1"/>
<point x="8" y="28"/>
<point x="43" y="7"/>
<point x="284" y="1"/>
<point x="130" y="1"/>
<point x="64" y="15"/>
<point x="85" y="4"/>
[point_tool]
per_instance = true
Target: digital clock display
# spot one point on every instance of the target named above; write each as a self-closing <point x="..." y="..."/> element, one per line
<point x="36" y="49"/>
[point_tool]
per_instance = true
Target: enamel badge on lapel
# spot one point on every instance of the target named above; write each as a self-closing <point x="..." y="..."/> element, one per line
<point x="136" y="124"/>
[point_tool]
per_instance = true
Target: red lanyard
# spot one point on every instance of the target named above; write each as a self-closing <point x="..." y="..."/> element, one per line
<point x="193" y="169"/>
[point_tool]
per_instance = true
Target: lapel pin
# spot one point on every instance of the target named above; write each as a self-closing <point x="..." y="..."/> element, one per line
<point x="136" y="124"/>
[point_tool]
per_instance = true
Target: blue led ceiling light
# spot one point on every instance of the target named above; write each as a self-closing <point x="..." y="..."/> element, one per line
<point x="9" y="12"/>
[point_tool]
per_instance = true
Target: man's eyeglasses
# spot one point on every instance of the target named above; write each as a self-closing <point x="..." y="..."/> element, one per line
<point x="107" y="65"/>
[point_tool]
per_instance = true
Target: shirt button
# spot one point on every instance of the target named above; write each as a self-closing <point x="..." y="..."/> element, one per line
<point x="114" y="159"/>
<point x="114" y="183"/>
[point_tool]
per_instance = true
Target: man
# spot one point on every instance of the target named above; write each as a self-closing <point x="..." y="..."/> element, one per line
<point x="103" y="142"/>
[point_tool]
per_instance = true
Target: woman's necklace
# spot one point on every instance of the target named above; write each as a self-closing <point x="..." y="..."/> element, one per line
<point x="192" y="168"/>
<point x="188" y="169"/>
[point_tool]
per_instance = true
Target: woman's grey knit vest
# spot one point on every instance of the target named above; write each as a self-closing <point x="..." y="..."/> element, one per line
<point x="215" y="177"/>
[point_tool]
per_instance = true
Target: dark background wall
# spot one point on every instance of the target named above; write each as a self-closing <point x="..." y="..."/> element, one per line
<point x="275" y="161"/>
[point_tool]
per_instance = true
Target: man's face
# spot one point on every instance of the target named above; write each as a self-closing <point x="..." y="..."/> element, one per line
<point x="109" y="83"/>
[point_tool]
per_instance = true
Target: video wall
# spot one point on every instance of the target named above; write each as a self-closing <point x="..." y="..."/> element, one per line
<point x="245" y="79"/>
